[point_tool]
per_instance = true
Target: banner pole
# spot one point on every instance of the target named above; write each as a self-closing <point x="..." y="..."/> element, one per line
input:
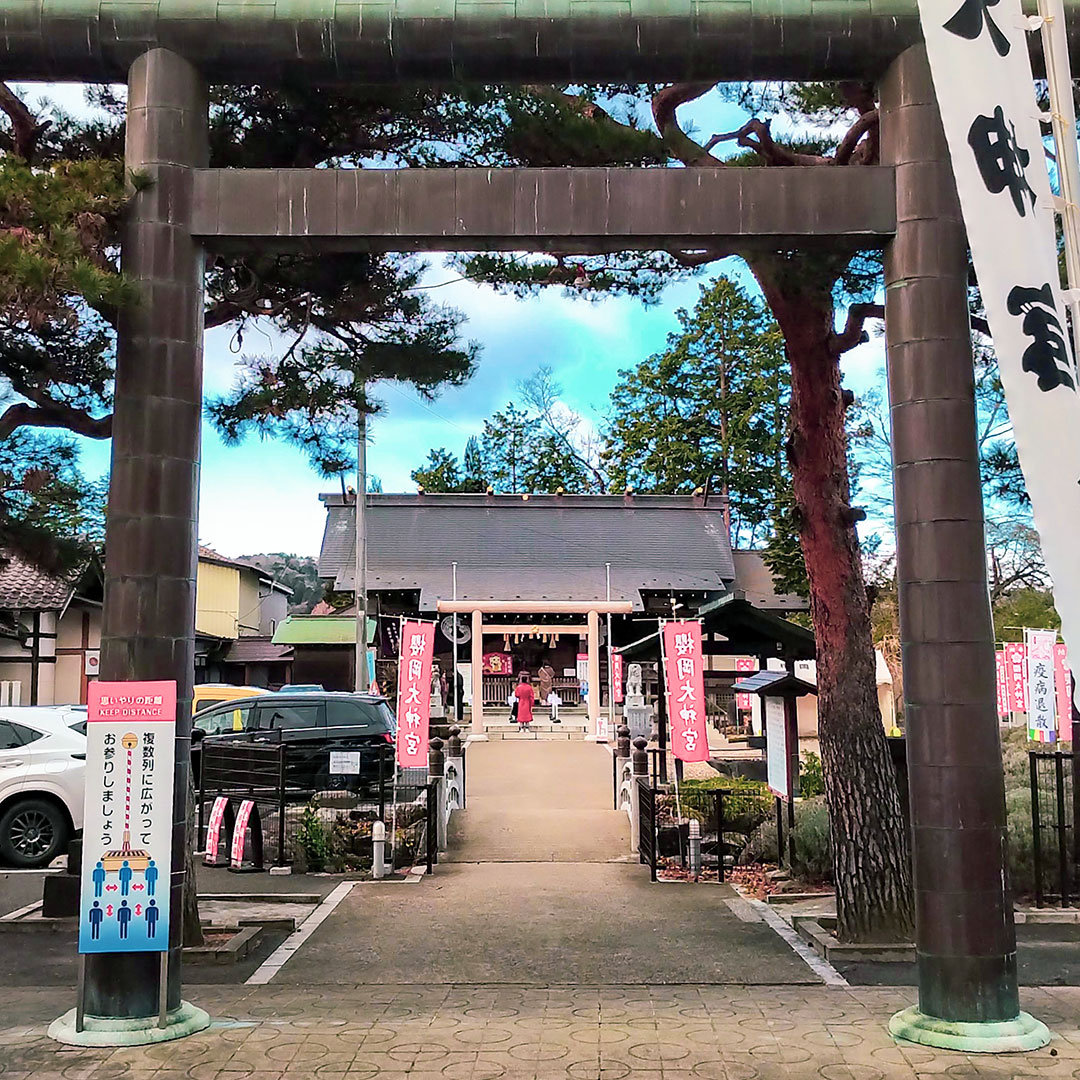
<point x="80" y="995"/>
<point x="163" y="991"/>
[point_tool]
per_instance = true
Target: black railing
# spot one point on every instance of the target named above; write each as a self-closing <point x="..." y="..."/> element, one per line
<point x="646" y="796"/>
<point x="727" y="816"/>
<point x="323" y="822"/>
<point x="1053" y="827"/>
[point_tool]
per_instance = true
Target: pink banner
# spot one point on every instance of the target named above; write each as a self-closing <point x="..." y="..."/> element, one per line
<point x="617" y="676"/>
<point x="213" y="831"/>
<point x="240" y="832"/>
<point x="1016" y="676"/>
<point x="1062" y="683"/>
<point x="746" y="665"/>
<point x="1002" y="685"/>
<point x="685" y="679"/>
<point x="414" y="693"/>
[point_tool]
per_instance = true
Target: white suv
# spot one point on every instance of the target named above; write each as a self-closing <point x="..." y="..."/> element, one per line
<point x="42" y="776"/>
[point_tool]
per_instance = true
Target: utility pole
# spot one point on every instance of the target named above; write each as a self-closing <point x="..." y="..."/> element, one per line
<point x="361" y="555"/>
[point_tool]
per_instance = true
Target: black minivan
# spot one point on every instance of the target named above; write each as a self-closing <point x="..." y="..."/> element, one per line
<point x="312" y="725"/>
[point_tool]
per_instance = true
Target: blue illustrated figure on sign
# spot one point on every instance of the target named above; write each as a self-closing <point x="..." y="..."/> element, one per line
<point x="151" y="875"/>
<point x="123" y="917"/>
<point x="151" y="918"/>
<point x="99" y="878"/>
<point x="96" y="915"/>
<point x="125" y="878"/>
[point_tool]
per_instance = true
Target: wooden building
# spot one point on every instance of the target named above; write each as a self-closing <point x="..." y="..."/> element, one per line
<point x="536" y="578"/>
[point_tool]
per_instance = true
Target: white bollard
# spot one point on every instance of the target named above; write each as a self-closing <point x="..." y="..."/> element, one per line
<point x="695" y="848"/>
<point x="378" y="850"/>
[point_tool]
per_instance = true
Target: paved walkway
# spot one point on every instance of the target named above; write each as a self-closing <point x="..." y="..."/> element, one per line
<point x="539" y="887"/>
<point x="538" y="802"/>
<point x="504" y="1033"/>
<point x="568" y="964"/>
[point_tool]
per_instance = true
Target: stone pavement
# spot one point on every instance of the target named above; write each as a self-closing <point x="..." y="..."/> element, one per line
<point x="533" y="1033"/>
<point x="569" y="964"/>
<point x="538" y="801"/>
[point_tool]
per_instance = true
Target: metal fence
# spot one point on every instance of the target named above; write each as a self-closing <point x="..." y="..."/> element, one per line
<point x="325" y="829"/>
<point x="1054" y="833"/>
<point x="726" y="817"/>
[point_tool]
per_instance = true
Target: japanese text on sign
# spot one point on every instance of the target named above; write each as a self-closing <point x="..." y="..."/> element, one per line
<point x="685" y="690"/>
<point x="981" y="66"/>
<point x="1002" y="684"/>
<point x="127" y="824"/>
<point x="1040" y="656"/>
<point x="1062" y="681"/>
<point x="414" y="693"/>
<point x="1016" y="676"/>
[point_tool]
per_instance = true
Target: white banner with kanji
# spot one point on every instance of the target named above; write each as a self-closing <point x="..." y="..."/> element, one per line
<point x="1040" y="662"/>
<point x="414" y="693"/>
<point x="684" y="680"/>
<point x="978" y="53"/>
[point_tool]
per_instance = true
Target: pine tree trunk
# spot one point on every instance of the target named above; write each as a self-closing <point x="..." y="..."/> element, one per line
<point x="871" y="862"/>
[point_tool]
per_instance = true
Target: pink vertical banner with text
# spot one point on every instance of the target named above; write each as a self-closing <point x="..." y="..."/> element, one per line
<point x="1002" y="684"/>
<point x="414" y="693"/>
<point x="745" y="665"/>
<point x="1016" y="676"/>
<point x="1062" y="681"/>
<point x="685" y="688"/>
<point x="617" y="676"/>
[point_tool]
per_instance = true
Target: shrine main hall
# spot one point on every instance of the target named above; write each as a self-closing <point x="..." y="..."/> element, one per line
<point x="536" y="579"/>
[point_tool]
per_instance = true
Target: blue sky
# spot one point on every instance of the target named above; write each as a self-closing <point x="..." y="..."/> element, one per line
<point x="263" y="496"/>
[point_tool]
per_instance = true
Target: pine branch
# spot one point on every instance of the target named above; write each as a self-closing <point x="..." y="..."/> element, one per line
<point x="867" y="124"/>
<point x="24" y="125"/>
<point x="54" y="414"/>
<point x="854" y="332"/>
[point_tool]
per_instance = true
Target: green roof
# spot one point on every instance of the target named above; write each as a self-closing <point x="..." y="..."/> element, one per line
<point x="320" y="630"/>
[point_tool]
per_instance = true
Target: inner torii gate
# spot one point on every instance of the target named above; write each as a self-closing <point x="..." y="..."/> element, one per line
<point x="168" y="50"/>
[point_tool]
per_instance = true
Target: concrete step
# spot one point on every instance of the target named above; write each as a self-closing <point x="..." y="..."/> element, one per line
<point x="496" y="735"/>
<point x="576" y="728"/>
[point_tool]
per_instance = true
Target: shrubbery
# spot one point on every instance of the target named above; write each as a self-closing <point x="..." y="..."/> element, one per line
<point x="813" y="856"/>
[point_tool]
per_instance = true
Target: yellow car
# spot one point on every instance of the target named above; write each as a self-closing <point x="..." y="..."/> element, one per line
<point x="208" y="694"/>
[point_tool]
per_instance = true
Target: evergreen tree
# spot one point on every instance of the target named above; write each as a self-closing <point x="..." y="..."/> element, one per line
<point x="709" y="411"/>
<point x="441" y="472"/>
<point x="474" y="479"/>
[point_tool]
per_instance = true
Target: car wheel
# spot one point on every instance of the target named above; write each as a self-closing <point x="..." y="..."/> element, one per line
<point x="32" y="833"/>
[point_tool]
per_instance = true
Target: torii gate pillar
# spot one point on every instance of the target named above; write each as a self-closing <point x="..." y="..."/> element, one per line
<point x="965" y="935"/>
<point x="150" y="560"/>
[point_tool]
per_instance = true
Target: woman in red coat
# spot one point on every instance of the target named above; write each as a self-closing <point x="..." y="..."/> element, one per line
<point x="526" y="697"/>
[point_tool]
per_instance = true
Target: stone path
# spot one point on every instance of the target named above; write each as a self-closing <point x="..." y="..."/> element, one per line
<point x="533" y="1033"/>
<point x="537" y="954"/>
<point x="540" y="888"/>
<point x="538" y="802"/>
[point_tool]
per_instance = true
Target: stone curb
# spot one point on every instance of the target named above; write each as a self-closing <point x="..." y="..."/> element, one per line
<point x="811" y="930"/>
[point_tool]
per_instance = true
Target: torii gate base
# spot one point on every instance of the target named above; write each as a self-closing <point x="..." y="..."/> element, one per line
<point x="965" y="936"/>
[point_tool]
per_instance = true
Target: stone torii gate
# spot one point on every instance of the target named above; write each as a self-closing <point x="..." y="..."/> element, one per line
<point x="167" y="51"/>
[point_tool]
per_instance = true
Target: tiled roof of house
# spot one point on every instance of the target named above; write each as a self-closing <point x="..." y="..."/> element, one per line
<point x="26" y="587"/>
